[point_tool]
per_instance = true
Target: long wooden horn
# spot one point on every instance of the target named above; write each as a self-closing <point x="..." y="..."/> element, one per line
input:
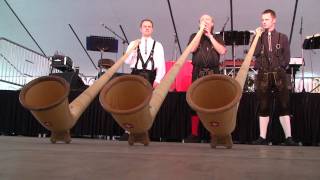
<point x="215" y="98"/>
<point x="132" y="102"/>
<point x="47" y="99"/>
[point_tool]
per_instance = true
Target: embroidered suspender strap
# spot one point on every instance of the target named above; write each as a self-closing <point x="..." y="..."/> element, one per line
<point x="262" y="49"/>
<point x="139" y="57"/>
<point x="278" y="46"/>
<point x="150" y="58"/>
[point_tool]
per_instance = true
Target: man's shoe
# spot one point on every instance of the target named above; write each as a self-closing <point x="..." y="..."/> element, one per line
<point x="289" y="142"/>
<point x="260" y="141"/>
<point x="192" y="139"/>
<point x="124" y="137"/>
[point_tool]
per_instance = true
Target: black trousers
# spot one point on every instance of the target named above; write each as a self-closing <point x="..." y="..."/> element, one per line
<point x="149" y="75"/>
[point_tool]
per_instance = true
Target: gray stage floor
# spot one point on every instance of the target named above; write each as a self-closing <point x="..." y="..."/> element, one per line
<point x="37" y="158"/>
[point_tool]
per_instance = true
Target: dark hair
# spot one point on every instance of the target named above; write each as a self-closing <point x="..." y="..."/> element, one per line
<point x="273" y="14"/>
<point x="143" y="20"/>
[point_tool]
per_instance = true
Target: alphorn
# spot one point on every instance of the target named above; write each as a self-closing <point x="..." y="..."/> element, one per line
<point x="215" y="98"/>
<point x="47" y="99"/>
<point x="132" y="102"/>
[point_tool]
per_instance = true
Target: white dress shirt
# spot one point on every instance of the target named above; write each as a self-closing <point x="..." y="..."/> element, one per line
<point x="158" y="57"/>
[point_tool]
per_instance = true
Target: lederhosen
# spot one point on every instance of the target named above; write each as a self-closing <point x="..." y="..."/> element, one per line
<point x="272" y="80"/>
<point x="149" y="75"/>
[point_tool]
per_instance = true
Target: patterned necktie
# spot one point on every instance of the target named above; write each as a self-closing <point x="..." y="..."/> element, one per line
<point x="269" y="41"/>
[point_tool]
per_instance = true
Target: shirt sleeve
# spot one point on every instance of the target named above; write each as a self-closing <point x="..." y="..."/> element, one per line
<point x="286" y="51"/>
<point x="191" y="37"/>
<point x="257" y="53"/>
<point x="159" y="62"/>
<point x="132" y="57"/>
<point x="257" y="50"/>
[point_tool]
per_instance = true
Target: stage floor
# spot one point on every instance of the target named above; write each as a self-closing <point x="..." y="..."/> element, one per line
<point x="37" y="158"/>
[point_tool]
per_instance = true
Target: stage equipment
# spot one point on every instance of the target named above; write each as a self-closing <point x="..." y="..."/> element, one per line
<point x="63" y="63"/>
<point x="236" y="37"/>
<point x="232" y="38"/>
<point x="47" y="99"/>
<point x="105" y="63"/>
<point x="312" y="42"/>
<point x="227" y="67"/>
<point x="75" y="82"/>
<point x="102" y="44"/>
<point x="174" y="26"/>
<point x="132" y="102"/>
<point x="215" y="98"/>
<point x="294" y="66"/>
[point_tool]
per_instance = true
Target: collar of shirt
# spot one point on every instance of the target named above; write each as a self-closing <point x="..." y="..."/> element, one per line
<point x="142" y="47"/>
<point x="273" y="33"/>
<point x="274" y="37"/>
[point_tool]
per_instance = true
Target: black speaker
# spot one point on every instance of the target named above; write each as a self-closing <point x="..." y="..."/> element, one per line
<point x="73" y="79"/>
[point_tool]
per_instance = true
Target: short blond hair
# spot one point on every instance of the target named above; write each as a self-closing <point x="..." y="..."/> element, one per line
<point x="144" y="20"/>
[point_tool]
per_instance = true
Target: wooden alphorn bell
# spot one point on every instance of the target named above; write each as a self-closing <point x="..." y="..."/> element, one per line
<point x="47" y="99"/>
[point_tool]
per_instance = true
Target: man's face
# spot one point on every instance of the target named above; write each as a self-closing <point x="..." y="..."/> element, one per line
<point x="146" y="29"/>
<point x="267" y="21"/>
<point x="208" y="21"/>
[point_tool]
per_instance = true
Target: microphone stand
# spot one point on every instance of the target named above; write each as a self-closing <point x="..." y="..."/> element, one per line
<point x="75" y="34"/>
<point x="124" y="41"/>
<point x="222" y="32"/>
<point x="224" y="26"/>
<point x="106" y="27"/>
<point x="175" y="48"/>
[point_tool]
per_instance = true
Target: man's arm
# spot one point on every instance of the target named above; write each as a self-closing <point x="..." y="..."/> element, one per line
<point x="257" y="50"/>
<point x="218" y="45"/>
<point x="159" y="63"/>
<point x="196" y="44"/>
<point x="132" y="56"/>
<point x="286" y="52"/>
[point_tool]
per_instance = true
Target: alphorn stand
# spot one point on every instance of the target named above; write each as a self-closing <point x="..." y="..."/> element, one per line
<point x="142" y="138"/>
<point x="225" y="141"/>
